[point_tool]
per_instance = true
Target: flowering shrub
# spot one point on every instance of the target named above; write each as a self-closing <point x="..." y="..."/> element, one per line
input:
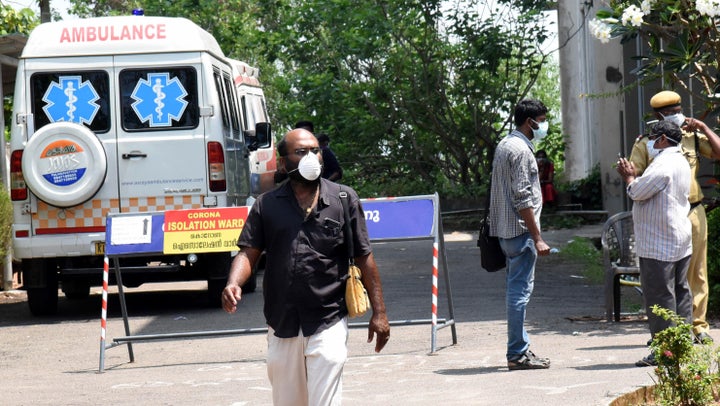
<point x="685" y="373"/>
<point x="682" y="38"/>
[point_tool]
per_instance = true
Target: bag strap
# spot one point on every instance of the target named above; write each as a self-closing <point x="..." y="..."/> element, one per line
<point x="484" y="225"/>
<point x="346" y="228"/>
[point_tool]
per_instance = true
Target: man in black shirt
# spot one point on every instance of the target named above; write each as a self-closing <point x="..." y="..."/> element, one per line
<point x="299" y="225"/>
<point x="331" y="167"/>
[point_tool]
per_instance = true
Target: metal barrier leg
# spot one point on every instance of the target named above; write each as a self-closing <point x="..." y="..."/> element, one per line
<point x="123" y="307"/>
<point x="448" y="290"/>
<point x="103" y="315"/>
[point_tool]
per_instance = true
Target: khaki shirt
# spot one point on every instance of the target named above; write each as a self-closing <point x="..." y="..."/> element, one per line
<point x="639" y="157"/>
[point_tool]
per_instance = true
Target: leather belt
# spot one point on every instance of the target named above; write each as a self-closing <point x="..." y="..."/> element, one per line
<point x="694" y="205"/>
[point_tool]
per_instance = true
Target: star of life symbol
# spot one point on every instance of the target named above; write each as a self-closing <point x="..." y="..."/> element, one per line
<point x="72" y="100"/>
<point x="159" y="99"/>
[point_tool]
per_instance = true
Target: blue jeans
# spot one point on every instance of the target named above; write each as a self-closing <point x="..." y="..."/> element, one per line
<point x="521" y="255"/>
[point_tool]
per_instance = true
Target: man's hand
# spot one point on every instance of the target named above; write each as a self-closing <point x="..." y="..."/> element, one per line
<point x="380" y="327"/>
<point x="230" y="297"/>
<point x="542" y="248"/>
<point x="692" y="124"/>
<point x="626" y="169"/>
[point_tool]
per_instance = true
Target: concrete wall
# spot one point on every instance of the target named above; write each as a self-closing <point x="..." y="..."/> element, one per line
<point x="593" y="113"/>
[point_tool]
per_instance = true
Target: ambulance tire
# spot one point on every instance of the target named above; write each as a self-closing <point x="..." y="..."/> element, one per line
<point x="70" y="182"/>
<point x="217" y="267"/>
<point x="76" y="289"/>
<point x="42" y="297"/>
<point x="43" y="301"/>
<point x="214" y="291"/>
<point x="250" y="285"/>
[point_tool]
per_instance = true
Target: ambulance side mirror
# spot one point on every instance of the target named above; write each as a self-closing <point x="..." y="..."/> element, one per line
<point x="263" y="134"/>
<point x="259" y="137"/>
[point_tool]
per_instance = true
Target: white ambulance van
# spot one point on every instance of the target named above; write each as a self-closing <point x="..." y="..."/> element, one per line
<point x="127" y="114"/>
<point x="263" y="163"/>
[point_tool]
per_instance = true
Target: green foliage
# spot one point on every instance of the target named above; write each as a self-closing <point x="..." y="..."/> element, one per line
<point x="406" y="89"/>
<point x="582" y="250"/>
<point x="16" y="21"/>
<point x="685" y="373"/>
<point x="547" y="89"/>
<point x="681" y="39"/>
<point x="585" y="191"/>
<point x="6" y="215"/>
<point x="713" y="260"/>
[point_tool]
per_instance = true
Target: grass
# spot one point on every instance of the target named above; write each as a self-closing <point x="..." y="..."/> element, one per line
<point x="582" y="250"/>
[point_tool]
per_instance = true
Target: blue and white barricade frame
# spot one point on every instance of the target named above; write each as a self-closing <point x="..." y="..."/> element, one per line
<point x="414" y="218"/>
<point x="388" y="219"/>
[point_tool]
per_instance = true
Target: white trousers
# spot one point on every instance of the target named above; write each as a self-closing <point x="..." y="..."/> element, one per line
<point x="307" y="371"/>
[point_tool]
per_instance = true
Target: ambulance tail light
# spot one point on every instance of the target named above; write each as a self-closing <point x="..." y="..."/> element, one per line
<point x="216" y="167"/>
<point x="18" y="189"/>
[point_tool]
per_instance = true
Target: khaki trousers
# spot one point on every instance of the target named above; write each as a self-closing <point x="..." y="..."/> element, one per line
<point x="697" y="272"/>
<point x="307" y="371"/>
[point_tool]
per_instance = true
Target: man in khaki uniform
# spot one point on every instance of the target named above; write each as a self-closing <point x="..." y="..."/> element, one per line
<point x="698" y="140"/>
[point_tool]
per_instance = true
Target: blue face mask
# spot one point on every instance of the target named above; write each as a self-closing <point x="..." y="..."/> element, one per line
<point x="540" y="132"/>
<point x="652" y="151"/>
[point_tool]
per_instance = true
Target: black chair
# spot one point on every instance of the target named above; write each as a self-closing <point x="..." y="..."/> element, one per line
<point x="619" y="260"/>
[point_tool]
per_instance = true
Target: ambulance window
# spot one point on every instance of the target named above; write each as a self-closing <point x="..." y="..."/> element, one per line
<point x="243" y="103"/>
<point x="159" y="99"/>
<point x="254" y="110"/>
<point x="78" y="97"/>
<point x="222" y="98"/>
<point x="232" y="98"/>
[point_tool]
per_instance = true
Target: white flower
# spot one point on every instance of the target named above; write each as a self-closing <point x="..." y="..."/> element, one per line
<point x="646" y="6"/>
<point x="600" y="30"/>
<point x="632" y="16"/>
<point x="710" y="8"/>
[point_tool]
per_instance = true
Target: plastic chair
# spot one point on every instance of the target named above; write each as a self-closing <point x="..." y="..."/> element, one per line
<point x="619" y="260"/>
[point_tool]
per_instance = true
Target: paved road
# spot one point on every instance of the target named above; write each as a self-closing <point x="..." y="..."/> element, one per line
<point x="54" y="361"/>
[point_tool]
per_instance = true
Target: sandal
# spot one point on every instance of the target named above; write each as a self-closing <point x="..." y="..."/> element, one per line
<point x="528" y="361"/>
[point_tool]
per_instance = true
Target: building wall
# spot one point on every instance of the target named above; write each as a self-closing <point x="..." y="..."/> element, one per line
<point x="593" y="112"/>
<point x="599" y="120"/>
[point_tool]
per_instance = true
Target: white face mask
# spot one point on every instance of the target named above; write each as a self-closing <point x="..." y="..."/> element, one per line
<point x="540" y="132"/>
<point x="678" y="118"/>
<point x="652" y="151"/>
<point x="309" y="167"/>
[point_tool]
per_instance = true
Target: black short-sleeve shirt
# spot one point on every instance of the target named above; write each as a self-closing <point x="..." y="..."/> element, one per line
<point x="306" y="259"/>
<point x="330" y="163"/>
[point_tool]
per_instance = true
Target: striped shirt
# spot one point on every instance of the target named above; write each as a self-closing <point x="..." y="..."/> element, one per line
<point x="640" y="158"/>
<point x="515" y="186"/>
<point x="661" y="207"/>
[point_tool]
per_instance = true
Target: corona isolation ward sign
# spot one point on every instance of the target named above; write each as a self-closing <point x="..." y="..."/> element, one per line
<point x="203" y="230"/>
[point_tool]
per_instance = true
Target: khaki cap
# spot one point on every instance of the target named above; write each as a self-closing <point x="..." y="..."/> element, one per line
<point x="666" y="98"/>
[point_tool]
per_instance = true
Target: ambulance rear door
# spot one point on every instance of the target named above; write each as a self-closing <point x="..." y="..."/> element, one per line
<point x="68" y="161"/>
<point x="161" y="151"/>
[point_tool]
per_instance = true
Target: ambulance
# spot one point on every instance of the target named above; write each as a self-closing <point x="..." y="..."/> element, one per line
<point x="123" y="115"/>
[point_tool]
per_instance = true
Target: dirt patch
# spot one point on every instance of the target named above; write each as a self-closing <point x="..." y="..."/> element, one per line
<point x="13" y="296"/>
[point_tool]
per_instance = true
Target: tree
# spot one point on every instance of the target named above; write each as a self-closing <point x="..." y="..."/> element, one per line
<point x="417" y="93"/>
<point x="16" y="21"/>
<point x="11" y="22"/>
<point x="414" y="93"/>
<point x="682" y="40"/>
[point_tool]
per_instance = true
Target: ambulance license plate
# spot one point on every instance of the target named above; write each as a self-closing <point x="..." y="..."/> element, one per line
<point x="99" y="248"/>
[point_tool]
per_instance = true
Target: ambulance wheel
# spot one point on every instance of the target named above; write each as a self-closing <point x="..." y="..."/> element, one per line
<point x="64" y="164"/>
<point x="43" y="301"/>
<point x="41" y="284"/>
<point x="76" y="290"/>
<point x="217" y="267"/>
<point x="250" y="285"/>
<point x="214" y="291"/>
